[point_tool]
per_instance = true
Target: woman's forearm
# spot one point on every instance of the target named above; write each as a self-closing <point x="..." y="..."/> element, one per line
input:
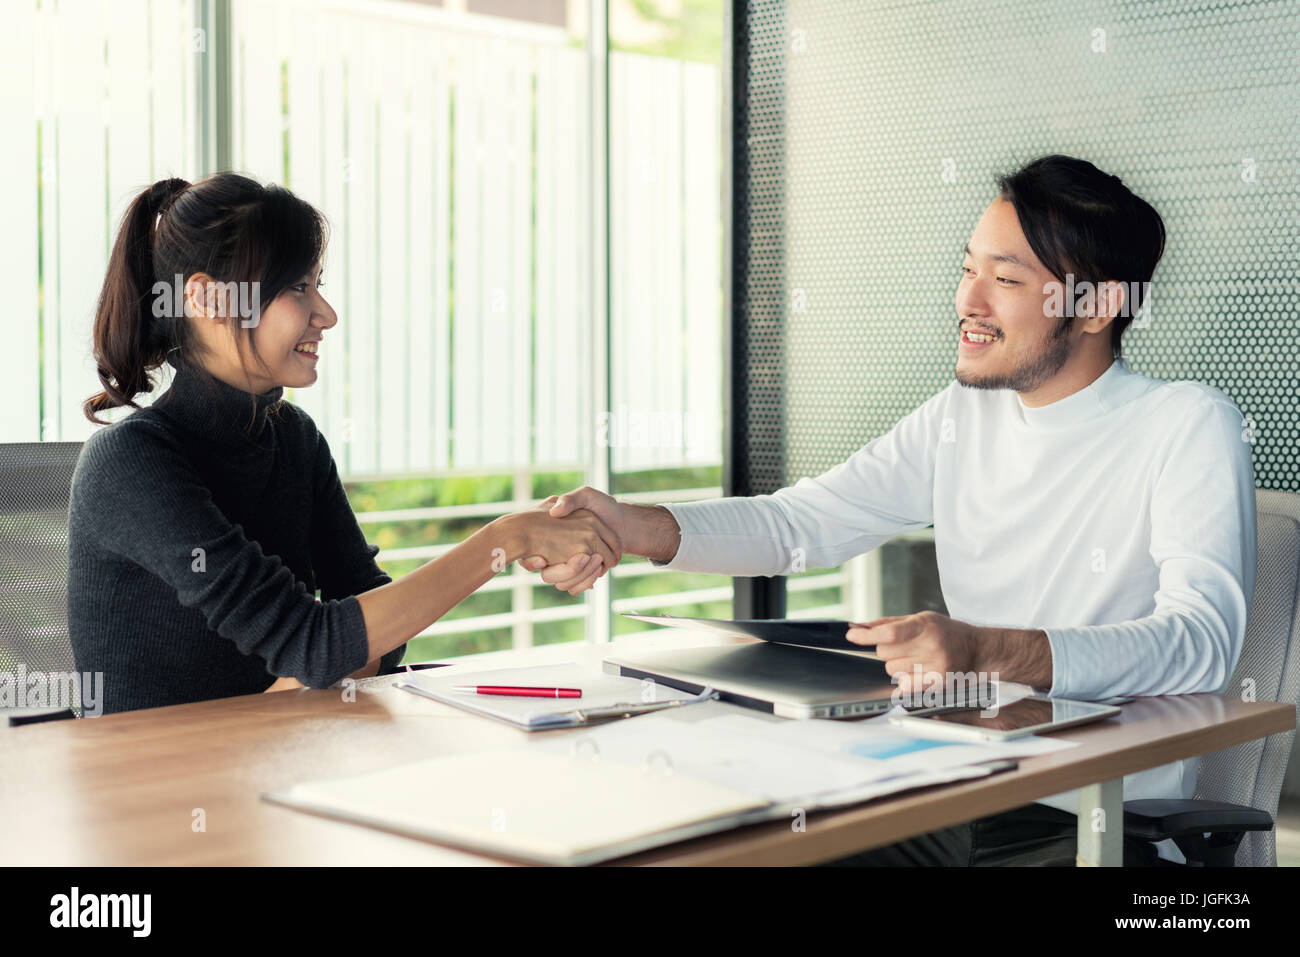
<point x="396" y="612"/>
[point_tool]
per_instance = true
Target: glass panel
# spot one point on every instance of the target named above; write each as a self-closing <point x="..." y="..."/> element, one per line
<point x="666" y="322"/>
<point x="449" y="148"/>
<point x="96" y="104"/>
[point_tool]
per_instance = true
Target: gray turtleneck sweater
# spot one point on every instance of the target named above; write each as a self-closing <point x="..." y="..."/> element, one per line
<point x="200" y="529"/>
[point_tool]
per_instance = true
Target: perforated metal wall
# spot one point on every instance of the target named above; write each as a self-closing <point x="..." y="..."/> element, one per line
<point x="868" y="135"/>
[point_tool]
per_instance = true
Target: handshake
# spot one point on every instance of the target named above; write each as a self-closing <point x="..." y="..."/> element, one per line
<point x="575" y="538"/>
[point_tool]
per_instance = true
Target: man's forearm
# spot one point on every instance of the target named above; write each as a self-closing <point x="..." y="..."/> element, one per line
<point x="1017" y="654"/>
<point x="651" y="531"/>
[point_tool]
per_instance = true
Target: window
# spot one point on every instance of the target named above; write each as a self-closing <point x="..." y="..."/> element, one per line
<point x="451" y="146"/>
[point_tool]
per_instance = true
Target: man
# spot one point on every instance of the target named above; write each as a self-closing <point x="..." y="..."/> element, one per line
<point x="1094" y="528"/>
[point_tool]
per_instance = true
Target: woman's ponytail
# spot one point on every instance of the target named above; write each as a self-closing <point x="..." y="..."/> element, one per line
<point x="129" y="341"/>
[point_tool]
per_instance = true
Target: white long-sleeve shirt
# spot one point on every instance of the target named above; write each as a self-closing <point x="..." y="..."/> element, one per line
<point x="1120" y="520"/>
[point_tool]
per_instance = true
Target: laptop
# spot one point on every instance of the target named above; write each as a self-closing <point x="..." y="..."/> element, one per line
<point x="809" y="632"/>
<point x="784" y="680"/>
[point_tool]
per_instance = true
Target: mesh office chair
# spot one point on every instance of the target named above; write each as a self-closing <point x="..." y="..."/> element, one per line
<point x="35" y="484"/>
<point x="1237" y="788"/>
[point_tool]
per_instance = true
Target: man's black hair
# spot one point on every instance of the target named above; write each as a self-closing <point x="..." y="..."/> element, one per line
<point x="1080" y="220"/>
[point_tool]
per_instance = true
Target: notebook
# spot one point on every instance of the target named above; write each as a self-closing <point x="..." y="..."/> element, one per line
<point x="627" y="786"/>
<point x="530" y="805"/>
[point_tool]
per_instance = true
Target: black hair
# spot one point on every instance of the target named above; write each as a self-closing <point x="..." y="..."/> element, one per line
<point x="1080" y="220"/>
<point x="227" y="226"/>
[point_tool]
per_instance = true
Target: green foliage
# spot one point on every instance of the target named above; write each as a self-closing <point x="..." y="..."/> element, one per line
<point x="694" y="33"/>
<point x="409" y="493"/>
<point x="666" y="480"/>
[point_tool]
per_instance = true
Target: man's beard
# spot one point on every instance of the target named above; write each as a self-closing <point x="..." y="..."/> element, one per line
<point x="1029" y="375"/>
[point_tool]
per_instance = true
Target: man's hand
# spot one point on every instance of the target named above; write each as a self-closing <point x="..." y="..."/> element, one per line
<point x="555" y="533"/>
<point x="649" y="530"/>
<point x="938" y="644"/>
<point x="942" y="646"/>
<point x="581" y="571"/>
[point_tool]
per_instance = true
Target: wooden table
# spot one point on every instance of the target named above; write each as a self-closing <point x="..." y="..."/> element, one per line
<point x="133" y="788"/>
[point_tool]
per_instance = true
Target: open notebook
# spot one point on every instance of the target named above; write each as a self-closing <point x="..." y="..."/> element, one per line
<point x="623" y="787"/>
<point x="530" y="805"/>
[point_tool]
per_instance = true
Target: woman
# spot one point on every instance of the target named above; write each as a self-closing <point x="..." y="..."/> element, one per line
<point x="201" y="527"/>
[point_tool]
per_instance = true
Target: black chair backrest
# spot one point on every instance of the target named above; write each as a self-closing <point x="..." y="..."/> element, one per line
<point x="35" y="483"/>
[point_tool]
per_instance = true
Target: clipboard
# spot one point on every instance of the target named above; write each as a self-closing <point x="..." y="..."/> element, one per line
<point x="611" y="697"/>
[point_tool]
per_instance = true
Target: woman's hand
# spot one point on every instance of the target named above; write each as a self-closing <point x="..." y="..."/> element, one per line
<point x="581" y="540"/>
<point x="649" y="530"/>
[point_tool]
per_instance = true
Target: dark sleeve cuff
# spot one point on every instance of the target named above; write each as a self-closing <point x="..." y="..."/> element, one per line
<point x="389" y="662"/>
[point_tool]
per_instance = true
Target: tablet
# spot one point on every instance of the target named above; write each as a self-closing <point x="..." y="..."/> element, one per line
<point x="1032" y="714"/>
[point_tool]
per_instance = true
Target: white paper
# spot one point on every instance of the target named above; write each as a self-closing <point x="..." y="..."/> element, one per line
<point x="766" y="768"/>
<point x="598" y="690"/>
<point x="879" y="742"/>
<point x="813" y="762"/>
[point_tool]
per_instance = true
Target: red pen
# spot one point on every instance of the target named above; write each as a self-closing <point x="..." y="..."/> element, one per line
<point x="521" y="692"/>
